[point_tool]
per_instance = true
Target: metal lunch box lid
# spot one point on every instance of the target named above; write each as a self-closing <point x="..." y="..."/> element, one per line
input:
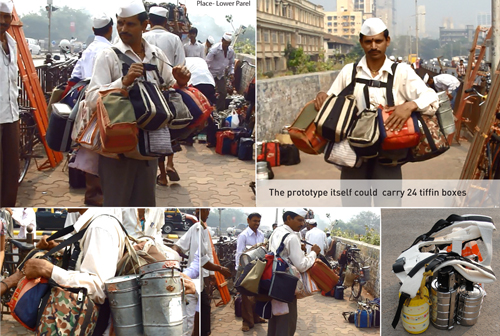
<point x="121" y="283"/>
<point x="153" y="267"/>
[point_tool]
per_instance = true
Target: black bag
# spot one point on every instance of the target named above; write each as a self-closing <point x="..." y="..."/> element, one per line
<point x="237" y="306"/>
<point x="182" y="116"/>
<point x="349" y="316"/>
<point x="289" y="155"/>
<point x="150" y="106"/>
<point x="155" y="143"/>
<point x="283" y="283"/>
<point x="242" y="276"/>
<point x="61" y="122"/>
<point x="76" y="176"/>
<point x="339" y="292"/>
<point x="245" y="149"/>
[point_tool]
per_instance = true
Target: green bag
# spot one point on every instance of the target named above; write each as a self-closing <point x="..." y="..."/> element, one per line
<point x="252" y="279"/>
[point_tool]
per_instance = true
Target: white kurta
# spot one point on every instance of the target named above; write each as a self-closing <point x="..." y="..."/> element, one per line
<point x="25" y="217"/>
<point x="169" y="43"/>
<point x="318" y="237"/>
<point x="218" y="63"/>
<point x="246" y="239"/>
<point x="9" y="91"/>
<point x="85" y="65"/>
<point x="194" y="50"/>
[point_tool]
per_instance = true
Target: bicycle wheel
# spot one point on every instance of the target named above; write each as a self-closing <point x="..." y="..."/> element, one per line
<point x="26" y="132"/>
<point x="356" y="289"/>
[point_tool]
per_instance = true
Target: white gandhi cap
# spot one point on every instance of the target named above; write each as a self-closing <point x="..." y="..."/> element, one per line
<point x="298" y="211"/>
<point x="157" y="10"/>
<point x="373" y="26"/>
<point x="426" y="78"/>
<point x="131" y="8"/>
<point x="6" y="6"/>
<point x="101" y="20"/>
<point x="211" y="39"/>
<point x="228" y="37"/>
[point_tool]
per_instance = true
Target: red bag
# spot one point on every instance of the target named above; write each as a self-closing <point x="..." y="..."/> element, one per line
<point x="202" y="102"/>
<point x="270" y="152"/>
<point x="224" y="142"/>
<point x="26" y="299"/>
<point x="323" y="276"/>
<point x="408" y="137"/>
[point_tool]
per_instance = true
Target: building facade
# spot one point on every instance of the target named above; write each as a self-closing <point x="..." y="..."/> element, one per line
<point x="336" y="46"/>
<point x="299" y="23"/>
<point x="447" y="35"/>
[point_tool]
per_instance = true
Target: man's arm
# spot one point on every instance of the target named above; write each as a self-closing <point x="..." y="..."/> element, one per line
<point x="240" y="247"/>
<point x="297" y="257"/>
<point x="337" y="86"/>
<point x="180" y="55"/>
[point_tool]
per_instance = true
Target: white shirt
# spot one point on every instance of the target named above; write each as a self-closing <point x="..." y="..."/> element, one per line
<point x="85" y="65"/>
<point x="199" y="71"/>
<point x="206" y="47"/>
<point x="108" y="74"/>
<point x="25" y="217"/>
<point x="190" y="241"/>
<point x="292" y="251"/>
<point x="408" y="86"/>
<point x="169" y="43"/>
<point x="446" y="82"/>
<point x="102" y="246"/>
<point x="9" y="109"/>
<point x="246" y="239"/>
<point x="218" y="63"/>
<point x="318" y="237"/>
<point x="194" y="50"/>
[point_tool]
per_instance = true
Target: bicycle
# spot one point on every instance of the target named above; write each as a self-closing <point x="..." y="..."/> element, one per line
<point x="355" y="265"/>
<point x="28" y="139"/>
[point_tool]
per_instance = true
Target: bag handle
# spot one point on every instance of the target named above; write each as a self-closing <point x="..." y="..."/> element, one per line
<point x="127" y="62"/>
<point x="282" y="245"/>
<point x="349" y="89"/>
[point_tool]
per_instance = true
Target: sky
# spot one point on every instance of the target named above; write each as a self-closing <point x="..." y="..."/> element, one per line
<point x="463" y="12"/>
<point x="345" y="214"/>
<point x="241" y="15"/>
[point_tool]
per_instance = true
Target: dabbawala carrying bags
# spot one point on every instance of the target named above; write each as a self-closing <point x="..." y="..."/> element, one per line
<point x="440" y="278"/>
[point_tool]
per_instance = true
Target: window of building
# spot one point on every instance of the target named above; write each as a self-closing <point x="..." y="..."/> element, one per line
<point x="266" y="36"/>
<point x="329" y="18"/>
<point x="268" y="5"/>
<point x="259" y="35"/>
<point x="353" y="31"/>
<point x="335" y="30"/>
<point x="353" y="18"/>
<point x="335" y="17"/>
<point x="289" y="38"/>
<point x="353" y="23"/>
<point x="329" y="30"/>
<point x="299" y="39"/>
<point x="329" y="24"/>
<point x="274" y="37"/>
<point x="282" y="38"/>
<point x="335" y="24"/>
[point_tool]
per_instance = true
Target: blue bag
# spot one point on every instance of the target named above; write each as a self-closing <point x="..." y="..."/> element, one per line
<point x="363" y="318"/>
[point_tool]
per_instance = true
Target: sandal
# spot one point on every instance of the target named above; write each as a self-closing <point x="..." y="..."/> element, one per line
<point x="159" y="182"/>
<point x="173" y="175"/>
<point x="245" y="328"/>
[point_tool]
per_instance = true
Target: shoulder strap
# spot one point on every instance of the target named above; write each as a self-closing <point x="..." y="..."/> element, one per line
<point x="349" y="89"/>
<point x="127" y="62"/>
<point x="375" y="83"/>
<point x="390" y="83"/>
<point x="282" y="245"/>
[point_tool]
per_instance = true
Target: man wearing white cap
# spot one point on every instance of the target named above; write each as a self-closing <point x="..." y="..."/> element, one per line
<point x="315" y="236"/>
<point x="410" y="95"/>
<point x="194" y="48"/>
<point x="159" y="36"/>
<point x="208" y="44"/>
<point x="103" y="30"/>
<point x="125" y="181"/>
<point x="220" y="58"/>
<point x="444" y="82"/>
<point x="285" y="325"/>
<point x="9" y="110"/>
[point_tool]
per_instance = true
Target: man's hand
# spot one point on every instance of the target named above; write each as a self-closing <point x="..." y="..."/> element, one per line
<point x="135" y="71"/>
<point x="316" y="249"/>
<point x="398" y="117"/>
<point x="320" y="99"/>
<point x="44" y="245"/>
<point x="225" y="272"/>
<point x="35" y="268"/>
<point x="181" y="75"/>
<point x="189" y="286"/>
<point x="303" y="247"/>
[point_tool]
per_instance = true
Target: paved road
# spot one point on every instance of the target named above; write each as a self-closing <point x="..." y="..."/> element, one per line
<point x="207" y="179"/>
<point x="317" y="316"/>
<point x="400" y="227"/>
<point x="444" y="167"/>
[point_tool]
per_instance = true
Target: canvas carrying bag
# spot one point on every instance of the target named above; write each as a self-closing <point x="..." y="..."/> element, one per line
<point x="432" y="142"/>
<point x="182" y="117"/>
<point x="250" y="278"/>
<point x="407" y="137"/>
<point x="270" y="152"/>
<point x="303" y="131"/>
<point x="151" y="109"/>
<point x="336" y="116"/>
<point x="341" y="154"/>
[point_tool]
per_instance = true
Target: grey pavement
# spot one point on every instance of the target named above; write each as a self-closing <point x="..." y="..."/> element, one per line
<point x="207" y="179"/>
<point x="10" y="327"/>
<point x="447" y="166"/>
<point x="400" y="227"/>
<point x="317" y="315"/>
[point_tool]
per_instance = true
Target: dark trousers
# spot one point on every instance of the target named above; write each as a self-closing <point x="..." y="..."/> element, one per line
<point x="248" y="311"/>
<point x="220" y="86"/>
<point x="128" y="182"/>
<point x="284" y="325"/>
<point x="370" y="171"/>
<point x="93" y="191"/>
<point x="9" y="163"/>
<point x="205" y="313"/>
<point x="208" y="91"/>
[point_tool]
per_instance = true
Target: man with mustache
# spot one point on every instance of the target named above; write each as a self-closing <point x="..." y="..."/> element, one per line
<point x="410" y="95"/>
<point x="9" y="110"/>
<point x="126" y="181"/>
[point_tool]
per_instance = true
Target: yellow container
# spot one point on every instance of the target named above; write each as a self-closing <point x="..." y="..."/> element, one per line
<point x="415" y="316"/>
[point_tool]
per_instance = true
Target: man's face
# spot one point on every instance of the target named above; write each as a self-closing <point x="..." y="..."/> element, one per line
<point x="375" y="46"/>
<point x="203" y="214"/>
<point x="225" y="44"/>
<point x="296" y="223"/>
<point x="5" y="21"/>
<point x="130" y="29"/>
<point x="192" y="36"/>
<point x="209" y="44"/>
<point x="254" y="222"/>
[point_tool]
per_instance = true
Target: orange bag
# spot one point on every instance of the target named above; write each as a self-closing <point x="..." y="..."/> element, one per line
<point x="323" y="276"/>
<point x="408" y="137"/>
<point x="303" y="131"/>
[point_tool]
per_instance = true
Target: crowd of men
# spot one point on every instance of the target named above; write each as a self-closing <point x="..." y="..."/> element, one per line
<point x="144" y="38"/>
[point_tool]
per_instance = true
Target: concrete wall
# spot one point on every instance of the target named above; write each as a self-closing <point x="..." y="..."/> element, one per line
<point x="371" y="256"/>
<point x="279" y="100"/>
<point x="248" y="72"/>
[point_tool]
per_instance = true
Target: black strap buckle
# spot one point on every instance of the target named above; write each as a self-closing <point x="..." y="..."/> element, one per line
<point x="375" y="83"/>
